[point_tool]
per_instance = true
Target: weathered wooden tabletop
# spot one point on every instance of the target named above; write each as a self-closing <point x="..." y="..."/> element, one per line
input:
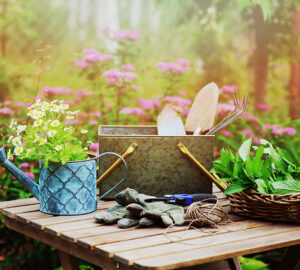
<point x="147" y="248"/>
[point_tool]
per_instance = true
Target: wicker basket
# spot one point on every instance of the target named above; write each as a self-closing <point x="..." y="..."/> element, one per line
<point x="281" y="208"/>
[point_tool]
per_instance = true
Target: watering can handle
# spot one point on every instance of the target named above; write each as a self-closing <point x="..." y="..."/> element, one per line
<point x="124" y="177"/>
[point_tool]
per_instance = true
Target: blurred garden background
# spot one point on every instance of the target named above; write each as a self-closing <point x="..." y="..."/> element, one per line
<point x="121" y="62"/>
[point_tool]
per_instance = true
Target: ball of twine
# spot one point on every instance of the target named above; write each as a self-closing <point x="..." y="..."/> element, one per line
<point x="201" y="214"/>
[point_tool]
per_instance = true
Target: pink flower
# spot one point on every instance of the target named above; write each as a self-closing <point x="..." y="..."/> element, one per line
<point x="115" y="75"/>
<point x="122" y="34"/>
<point x="277" y="130"/>
<point x="185" y="111"/>
<point x="182" y="93"/>
<point x="94" y="146"/>
<point x="6" y="111"/>
<point x="132" y="111"/>
<point x="248" y="133"/>
<point x="268" y="126"/>
<point x="178" y="100"/>
<point x="148" y="104"/>
<point x="30" y="175"/>
<point x="289" y="131"/>
<point x="229" y="88"/>
<point x="128" y="67"/>
<point x="19" y="104"/>
<point x="94" y="122"/>
<point x="134" y="87"/>
<point x="171" y="67"/>
<point x="183" y="62"/>
<point x="98" y="113"/>
<point x="263" y="107"/>
<point x="251" y="118"/>
<point x="222" y="107"/>
<point x="81" y="63"/>
<point x="83" y="93"/>
<point x="24" y="165"/>
<point x="226" y="133"/>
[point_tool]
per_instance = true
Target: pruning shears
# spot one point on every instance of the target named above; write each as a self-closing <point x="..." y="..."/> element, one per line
<point x="184" y="199"/>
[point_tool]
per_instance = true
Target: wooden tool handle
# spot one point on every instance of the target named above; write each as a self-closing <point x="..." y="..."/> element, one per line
<point x="213" y="178"/>
<point x="130" y="149"/>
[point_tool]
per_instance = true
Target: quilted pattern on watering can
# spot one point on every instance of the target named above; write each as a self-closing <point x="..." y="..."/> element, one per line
<point x="68" y="189"/>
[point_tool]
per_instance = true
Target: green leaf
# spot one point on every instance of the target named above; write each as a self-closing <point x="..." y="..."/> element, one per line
<point x="286" y="187"/>
<point x="226" y="179"/>
<point x="261" y="186"/>
<point x="258" y="162"/>
<point x="236" y="186"/>
<point x="245" y="149"/>
<point x="279" y="165"/>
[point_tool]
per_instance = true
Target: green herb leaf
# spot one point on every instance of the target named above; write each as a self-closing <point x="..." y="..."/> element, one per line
<point x="286" y="187"/>
<point x="245" y="149"/>
<point x="236" y="186"/>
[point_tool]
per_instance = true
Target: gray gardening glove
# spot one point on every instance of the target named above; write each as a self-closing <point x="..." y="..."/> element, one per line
<point x="117" y="213"/>
<point x="169" y="214"/>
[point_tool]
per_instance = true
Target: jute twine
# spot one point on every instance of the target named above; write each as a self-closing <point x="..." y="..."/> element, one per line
<point x="203" y="214"/>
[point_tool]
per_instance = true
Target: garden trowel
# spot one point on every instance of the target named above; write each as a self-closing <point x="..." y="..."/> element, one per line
<point x="169" y="123"/>
<point x="204" y="108"/>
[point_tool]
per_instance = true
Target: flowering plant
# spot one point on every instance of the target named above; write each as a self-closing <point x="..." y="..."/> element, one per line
<point x="49" y="137"/>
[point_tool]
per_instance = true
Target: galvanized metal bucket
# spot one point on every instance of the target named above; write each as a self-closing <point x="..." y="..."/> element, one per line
<point x="156" y="167"/>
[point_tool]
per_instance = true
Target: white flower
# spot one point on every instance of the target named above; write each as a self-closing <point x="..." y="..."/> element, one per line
<point x="55" y="123"/>
<point x="51" y="133"/>
<point x="89" y="142"/>
<point x="69" y="117"/>
<point x="31" y="113"/>
<point x="45" y="106"/>
<point x="64" y="106"/>
<point x="18" y="150"/>
<point x="37" y="115"/>
<point x="43" y="141"/>
<point x="9" y="155"/>
<point x="54" y="108"/>
<point x="37" y="138"/>
<point x="16" y="141"/>
<point x="9" y="139"/>
<point x="57" y="148"/>
<point x="12" y="123"/>
<point x="28" y="151"/>
<point x="83" y="131"/>
<point x="67" y="129"/>
<point x="21" y="128"/>
<point x="37" y="123"/>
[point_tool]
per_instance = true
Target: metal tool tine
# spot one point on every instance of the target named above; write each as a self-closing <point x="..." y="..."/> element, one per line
<point x="240" y="108"/>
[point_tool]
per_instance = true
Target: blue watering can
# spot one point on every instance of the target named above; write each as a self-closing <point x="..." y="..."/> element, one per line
<point x="68" y="189"/>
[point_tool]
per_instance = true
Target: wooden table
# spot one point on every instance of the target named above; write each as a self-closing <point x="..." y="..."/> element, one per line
<point x="149" y="248"/>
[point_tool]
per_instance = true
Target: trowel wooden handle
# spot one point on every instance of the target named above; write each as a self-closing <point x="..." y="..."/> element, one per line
<point x="130" y="149"/>
<point x="213" y="177"/>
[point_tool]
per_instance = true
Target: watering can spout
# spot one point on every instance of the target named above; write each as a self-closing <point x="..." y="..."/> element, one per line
<point x="21" y="176"/>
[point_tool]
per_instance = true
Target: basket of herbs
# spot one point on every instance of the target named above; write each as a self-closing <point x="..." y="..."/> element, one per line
<point x="262" y="182"/>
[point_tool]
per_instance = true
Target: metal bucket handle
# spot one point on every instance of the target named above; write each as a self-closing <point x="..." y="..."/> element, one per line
<point x="125" y="174"/>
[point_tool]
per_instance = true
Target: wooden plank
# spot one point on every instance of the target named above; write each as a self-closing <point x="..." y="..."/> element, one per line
<point x="73" y="236"/>
<point x="112" y="248"/>
<point x="122" y="235"/>
<point x="43" y="222"/>
<point x="57" y="229"/>
<point x="200" y="241"/>
<point x="64" y="246"/>
<point x="12" y="211"/>
<point x="221" y="251"/>
<point x="15" y="203"/>
<point x="28" y="217"/>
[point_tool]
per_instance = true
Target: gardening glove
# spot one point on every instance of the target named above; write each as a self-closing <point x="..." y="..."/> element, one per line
<point x="169" y="214"/>
<point x="117" y="213"/>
